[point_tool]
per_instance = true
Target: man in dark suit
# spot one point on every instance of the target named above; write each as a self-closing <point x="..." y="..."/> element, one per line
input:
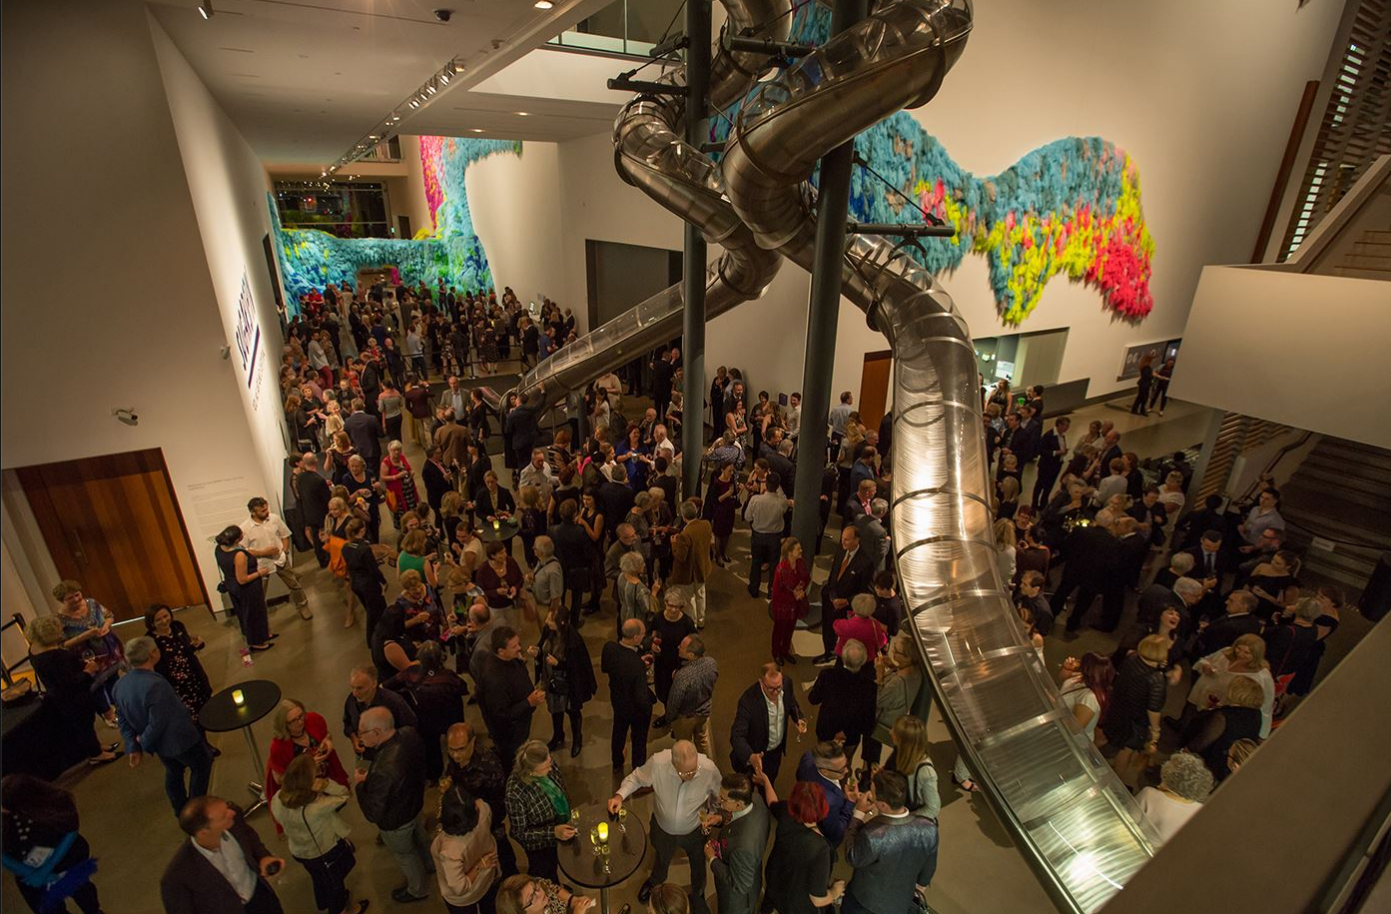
<point x="1053" y="449"/>
<point x="314" y="497"/>
<point x="506" y="695"/>
<point x="364" y="431"/>
<point x="223" y="868"/>
<point x="1239" y="620"/>
<point x="851" y="571"/>
<point x="765" y="713"/>
<point x="1093" y="567"/>
<point x="738" y="864"/>
<point x="1026" y="440"/>
<point x="1008" y="436"/>
<point x="573" y="551"/>
<point x="1180" y="597"/>
<point x="780" y="462"/>
<point x="663" y="370"/>
<point x="1210" y="566"/>
<point x="626" y="667"/>
<point x="615" y="497"/>
<point x="371" y="383"/>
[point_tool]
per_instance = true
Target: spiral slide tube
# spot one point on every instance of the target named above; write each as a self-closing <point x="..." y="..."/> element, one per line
<point x="1072" y="819"/>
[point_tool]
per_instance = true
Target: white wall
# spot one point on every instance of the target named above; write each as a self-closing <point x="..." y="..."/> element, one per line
<point x="228" y="186"/>
<point x="514" y="202"/>
<point x="108" y="300"/>
<point x="1303" y="350"/>
<point x="1200" y="94"/>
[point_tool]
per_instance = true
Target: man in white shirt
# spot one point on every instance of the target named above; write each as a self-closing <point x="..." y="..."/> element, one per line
<point x="793" y="416"/>
<point x="839" y="414"/>
<point x="538" y="474"/>
<point x="223" y="867"/>
<point x="662" y="445"/>
<point x="684" y="784"/>
<point x="268" y="538"/>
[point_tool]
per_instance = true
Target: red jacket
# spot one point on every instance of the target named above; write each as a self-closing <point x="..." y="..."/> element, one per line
<point x="282" y="753"/>
<point x="869" y="631"/>
<point x="786" y="580"/>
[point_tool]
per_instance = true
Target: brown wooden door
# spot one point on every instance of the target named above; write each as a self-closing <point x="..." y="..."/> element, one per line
<point x="113" y="525"/>
<point x="874" y="388"/>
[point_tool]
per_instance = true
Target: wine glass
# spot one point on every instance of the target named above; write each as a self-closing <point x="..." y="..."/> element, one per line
<point x="623" y="819"/>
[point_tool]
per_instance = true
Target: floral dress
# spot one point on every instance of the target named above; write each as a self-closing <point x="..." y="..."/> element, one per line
<point x="180" y="665"/>
<point x="107" y="651"/>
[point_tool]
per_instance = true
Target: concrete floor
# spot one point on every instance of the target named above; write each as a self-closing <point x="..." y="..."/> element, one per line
<point x="127" y="819"/>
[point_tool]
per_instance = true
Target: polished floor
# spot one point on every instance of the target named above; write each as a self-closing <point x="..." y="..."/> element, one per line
<point x="127" y="819"/>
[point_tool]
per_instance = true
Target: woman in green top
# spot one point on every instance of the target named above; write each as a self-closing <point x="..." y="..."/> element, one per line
<point x="412" y="557"/>
<point x="538" y="808"/>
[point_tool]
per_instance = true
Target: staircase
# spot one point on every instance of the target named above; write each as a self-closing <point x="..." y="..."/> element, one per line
<point x="1370" y="257"/>
<point x="1340" y="493"/>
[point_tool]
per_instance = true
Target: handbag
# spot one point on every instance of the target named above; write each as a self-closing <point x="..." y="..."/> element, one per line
<point x="340" y="860"/>
<point x="391" y="501"/>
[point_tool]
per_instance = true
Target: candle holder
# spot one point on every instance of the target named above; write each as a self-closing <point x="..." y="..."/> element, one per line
<point x="238" y="698"/>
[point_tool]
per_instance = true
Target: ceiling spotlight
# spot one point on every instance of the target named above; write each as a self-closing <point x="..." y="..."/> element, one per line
<point x="543" y="4"/>
<point x="477" y="129"/>
<point x="458" y="66"/>
<point x="430" y="90"/>
<point x="523" y="114"/>
<point x="444" y="77"/>
<point x="205" y="9"/>
<point x="415" y="103"/>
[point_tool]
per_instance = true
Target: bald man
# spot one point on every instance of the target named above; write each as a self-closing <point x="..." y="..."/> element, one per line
<point x="625" y="664"/>
<point x="682" y="782"/>
<point x="766" y="711"/>
<point x="391" y="792"/>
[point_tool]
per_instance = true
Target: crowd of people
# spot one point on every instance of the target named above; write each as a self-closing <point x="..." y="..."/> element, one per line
<point x="594" y="535"/>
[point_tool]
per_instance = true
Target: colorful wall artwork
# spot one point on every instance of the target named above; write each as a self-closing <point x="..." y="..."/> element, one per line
<point x="1071" y="206"/>
<point x="450" y="249"/>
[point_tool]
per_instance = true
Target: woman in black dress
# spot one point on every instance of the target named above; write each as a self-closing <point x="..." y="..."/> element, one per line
<point x="1237" y="718"/>
<point x="720" y="508"/>
<point x="178" y="660"/>
<point x="478" y="416"/>
<point x="1141" y="406"/>
<point x="1137" y="700"/>
<point x="669" y="628"/>
<point x="365" y="575"/>
<point x="70" y="692"/>
<point x="591" y="520"/>
<point x="797" y="879"/>
<point x="243" y="581"/>
<point x="37" y="815"/>
<point x="564" y="665"/>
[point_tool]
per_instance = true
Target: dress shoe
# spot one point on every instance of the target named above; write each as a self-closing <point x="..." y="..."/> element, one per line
<point x="403" y="896"/>
<point x="824" y="660"/>
<point x="645" y="892"/>
<point x="575" y="748"/>
<point x="753" y="593"/>
<point x="555" y="743"/>
<point x="790" y="659"/>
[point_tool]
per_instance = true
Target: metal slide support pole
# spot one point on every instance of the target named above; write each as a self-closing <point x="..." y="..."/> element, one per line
<point x="833" y="202"/>
<point x="693" y="328"/>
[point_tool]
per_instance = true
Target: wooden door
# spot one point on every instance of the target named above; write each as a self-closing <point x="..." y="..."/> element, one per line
<point x="874" y="388"/>
<point x="112" y="524"/>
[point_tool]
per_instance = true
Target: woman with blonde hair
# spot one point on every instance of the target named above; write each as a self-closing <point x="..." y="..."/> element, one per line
<point x="899" y="678"/>
<point x="526" y="894"/>
<point x="1238" y="717"/>
<point x="1246" y="657"/>
<point x="911" y="760"/>
<point x="72" y="693"/>
<point x="538" y="809"/>
<point x="1239" y="753"/>
<point x="307" y="806"/>
<point x="1006" y="541"/>
<point x="1137" y="701"/>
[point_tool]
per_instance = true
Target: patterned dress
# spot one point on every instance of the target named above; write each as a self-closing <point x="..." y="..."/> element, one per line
<point x="180" y="665"/>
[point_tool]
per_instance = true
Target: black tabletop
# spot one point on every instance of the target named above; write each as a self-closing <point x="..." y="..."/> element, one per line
<point x="505" y="529"/>
<point x="259" y="698"/>
<point x="627" y="847"/>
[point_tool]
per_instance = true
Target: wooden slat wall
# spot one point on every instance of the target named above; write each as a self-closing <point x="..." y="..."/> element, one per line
<point x="1356" y="125"/>
<point x="1239" y="434"/>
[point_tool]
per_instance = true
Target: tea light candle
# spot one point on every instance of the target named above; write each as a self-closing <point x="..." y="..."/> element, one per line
<point x="238" y="698"/>
<point x="496" y="523"/>
<point x="603" y="833"/>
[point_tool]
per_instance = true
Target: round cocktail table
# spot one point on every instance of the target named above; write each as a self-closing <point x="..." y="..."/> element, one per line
<point x="222" y="714"/>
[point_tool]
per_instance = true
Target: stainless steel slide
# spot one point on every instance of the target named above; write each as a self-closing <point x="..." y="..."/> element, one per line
<point x="651" y="155"/>
<point x="1072" y="819"/>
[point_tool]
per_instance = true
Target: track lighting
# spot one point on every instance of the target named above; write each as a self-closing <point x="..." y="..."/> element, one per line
<point x="205" y="9"/>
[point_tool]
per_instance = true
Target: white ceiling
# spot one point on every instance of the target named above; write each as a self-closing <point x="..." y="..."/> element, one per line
<point x="304" y="81"/>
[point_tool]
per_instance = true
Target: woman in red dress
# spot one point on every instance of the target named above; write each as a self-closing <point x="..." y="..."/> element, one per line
<point x="789" y="598"/>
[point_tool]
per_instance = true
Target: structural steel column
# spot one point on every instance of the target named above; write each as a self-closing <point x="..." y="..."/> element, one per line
<point x="833" y="202"/>
<point x="693" y="328"/>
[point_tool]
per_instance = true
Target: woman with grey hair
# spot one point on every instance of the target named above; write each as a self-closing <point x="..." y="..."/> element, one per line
<point x="635" y="599"/>
<point x="640" y="520"/>
<point x="1184" y="783"/>
<point x="72" y="692"/>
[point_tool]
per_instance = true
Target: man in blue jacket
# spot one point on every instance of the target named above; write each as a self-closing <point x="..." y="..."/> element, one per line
<point x="153" y="719"/>
<point x="827" y="766"/>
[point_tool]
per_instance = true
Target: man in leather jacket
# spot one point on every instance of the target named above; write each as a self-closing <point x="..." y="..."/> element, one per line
<point x="391" y="792"/>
